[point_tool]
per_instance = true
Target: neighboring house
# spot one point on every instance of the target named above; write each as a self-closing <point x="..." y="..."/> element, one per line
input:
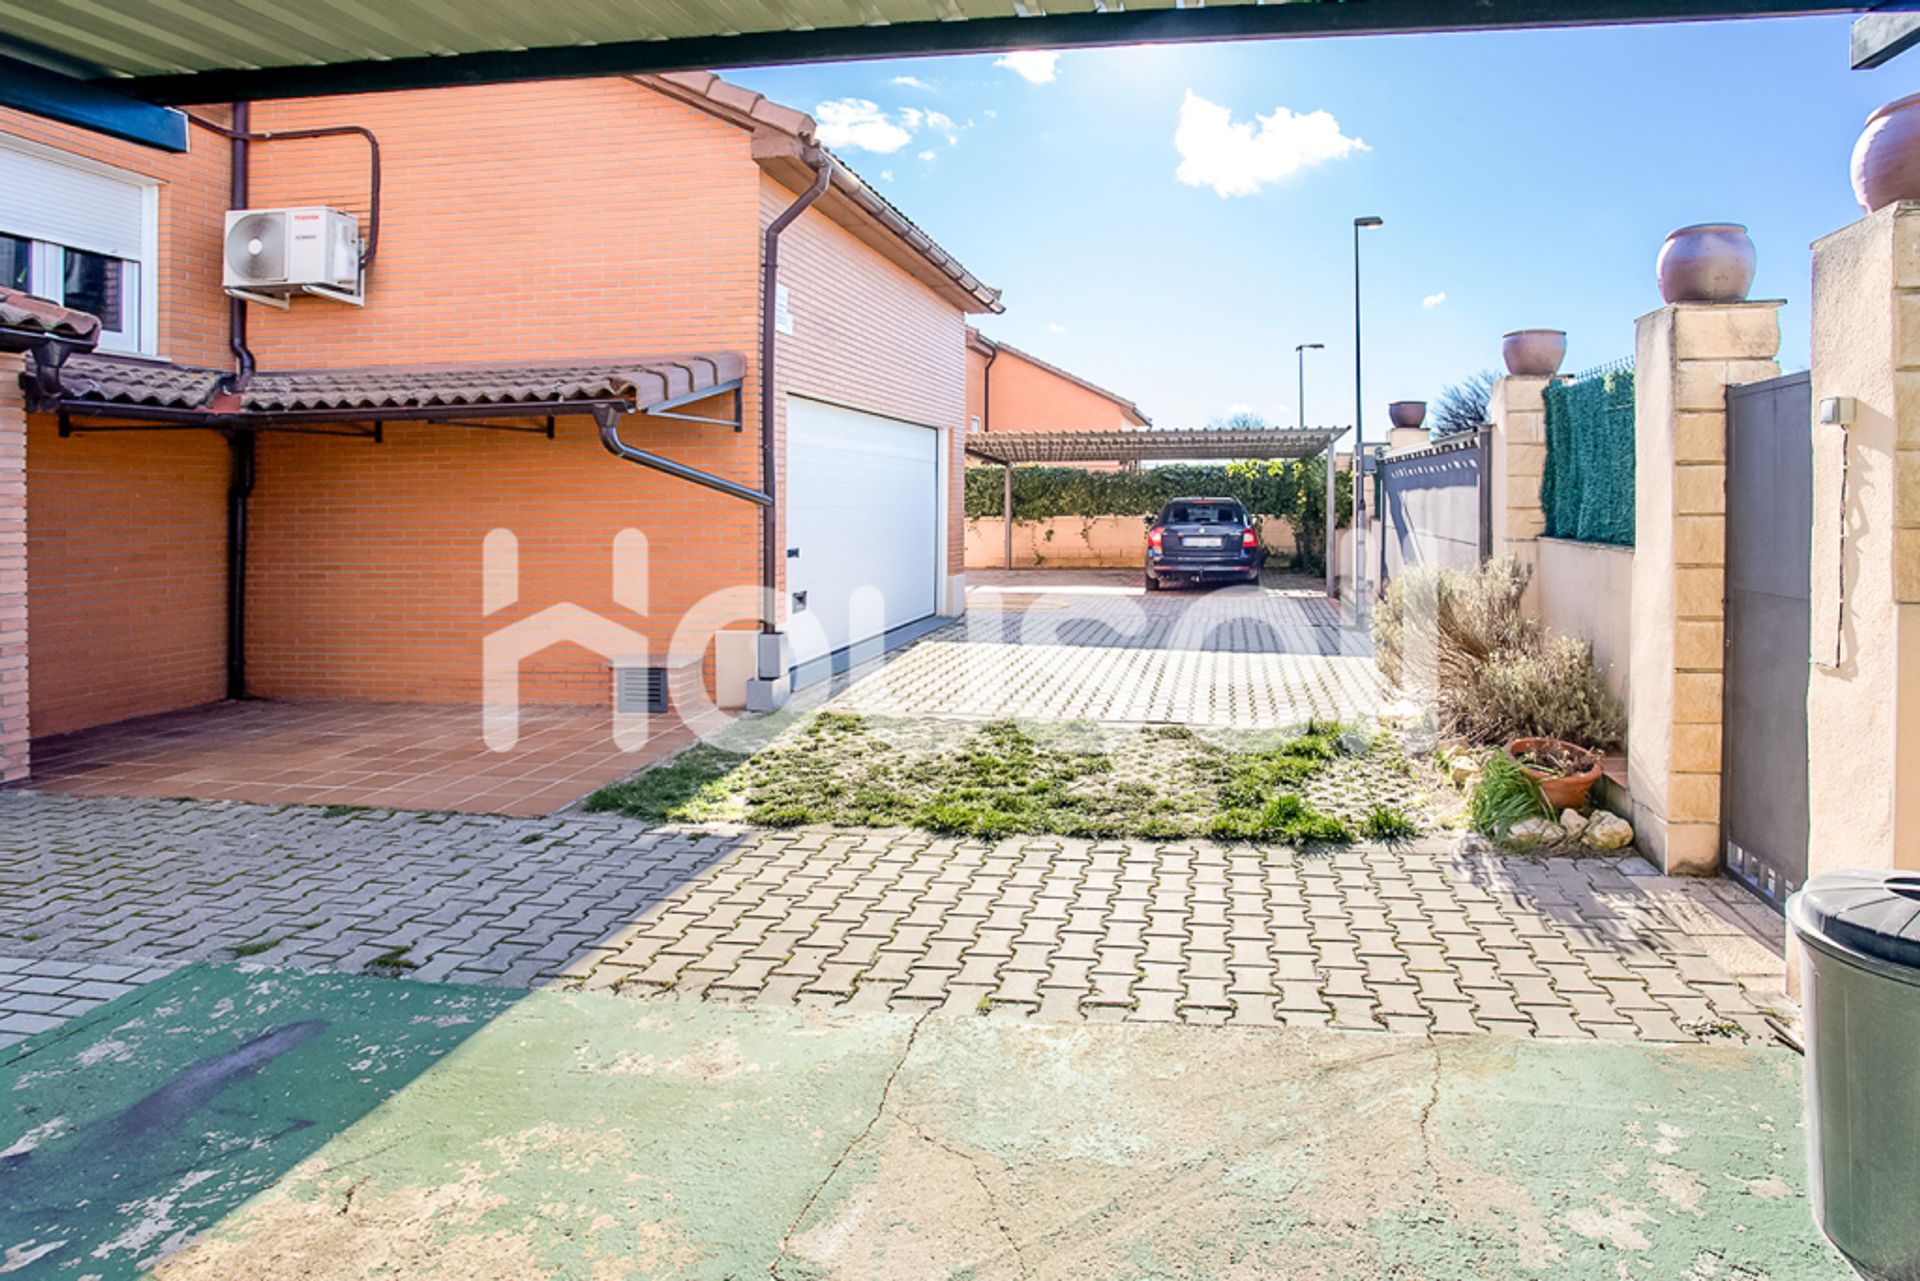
<point x="546" y="252"/>
<point x="1009" y="390"/>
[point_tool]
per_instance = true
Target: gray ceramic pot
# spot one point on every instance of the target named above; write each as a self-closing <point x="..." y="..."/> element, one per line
<point x="1407" y="413"/>
<point x="1886" y="160"/>
<point x="1534" y="353"/>
<point x="1709" y="262"/>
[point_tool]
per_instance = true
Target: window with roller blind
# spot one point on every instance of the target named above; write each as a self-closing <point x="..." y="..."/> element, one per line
<point x="83" y="235"/>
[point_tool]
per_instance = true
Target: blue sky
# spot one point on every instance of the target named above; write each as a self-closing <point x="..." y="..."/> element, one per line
<point x="1528" y="178"/>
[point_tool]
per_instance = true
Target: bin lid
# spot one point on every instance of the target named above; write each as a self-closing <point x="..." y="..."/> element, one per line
<point x="1876" y="914"/>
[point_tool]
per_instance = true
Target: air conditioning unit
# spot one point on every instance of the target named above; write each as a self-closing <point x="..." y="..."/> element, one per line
<point x="273" y="254"/>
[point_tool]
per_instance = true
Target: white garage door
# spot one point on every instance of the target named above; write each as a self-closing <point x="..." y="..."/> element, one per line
<point x="863" y="526"/>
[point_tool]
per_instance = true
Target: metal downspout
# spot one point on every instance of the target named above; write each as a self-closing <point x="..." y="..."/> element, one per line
<point x="240" y="443"/>
<point x="822" y="165"/>
<point x="240" y="451"/>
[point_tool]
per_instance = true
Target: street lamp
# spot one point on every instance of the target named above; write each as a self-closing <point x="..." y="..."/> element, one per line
<point x="1359" y="438"/>
<point x="1301" y="352"/>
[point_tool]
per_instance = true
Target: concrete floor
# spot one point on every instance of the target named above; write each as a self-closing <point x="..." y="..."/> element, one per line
<point x="231" y="1123"/>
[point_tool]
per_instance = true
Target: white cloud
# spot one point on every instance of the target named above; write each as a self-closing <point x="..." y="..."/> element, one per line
<point x="1237" y="158"/>
<point x="855" y="124"/>
<point x="1433" y="300"/>
<point x="926" y="155"/>
<point x="886" y="175"/>
<point x="1035" y="66"/>
<point x="910" y="82"/>
<point x="1238" y="407"/>
<point x="1055" y="327"/>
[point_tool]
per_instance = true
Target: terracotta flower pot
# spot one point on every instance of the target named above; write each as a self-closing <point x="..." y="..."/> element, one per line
<point x="1407" y="413"/>
<point x="1534" y="353"/>
<point x="1886" y="160"/>
<point x="1565" y="791"/>
<point x="1709" y="262"/>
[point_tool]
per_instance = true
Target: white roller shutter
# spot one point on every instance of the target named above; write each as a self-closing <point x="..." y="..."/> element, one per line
<point x="863" y="525"/>
<point x="62" y="203"/>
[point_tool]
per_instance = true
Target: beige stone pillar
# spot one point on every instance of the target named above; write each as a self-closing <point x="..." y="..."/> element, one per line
<point x="14" y="759"/>
<point x="1685" y="358"/>
<point x="1517" y="412"/>
<point x="1863" y="689"/>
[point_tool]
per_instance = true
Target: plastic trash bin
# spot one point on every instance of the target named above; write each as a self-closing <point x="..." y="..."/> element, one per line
<point x="1860" y="993"/>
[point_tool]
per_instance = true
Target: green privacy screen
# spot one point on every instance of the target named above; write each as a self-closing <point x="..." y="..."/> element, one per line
<point x="1587" y="488"/>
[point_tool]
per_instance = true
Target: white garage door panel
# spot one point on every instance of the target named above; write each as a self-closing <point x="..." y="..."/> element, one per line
<point x="863" y="511"/>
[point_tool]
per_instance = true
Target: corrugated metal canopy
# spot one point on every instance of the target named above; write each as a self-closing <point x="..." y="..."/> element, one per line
<point x="1010" y="447"/>
<point x="210" y="50"/>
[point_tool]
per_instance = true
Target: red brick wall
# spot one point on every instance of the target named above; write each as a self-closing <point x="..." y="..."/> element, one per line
<point x="14" y="733"/>
<point x="126" y="559"/>
<point x="193" y="202"/>
<point x="869" y="336"/>
<point x="557" y="220"/>
<point x="364" y="570"/>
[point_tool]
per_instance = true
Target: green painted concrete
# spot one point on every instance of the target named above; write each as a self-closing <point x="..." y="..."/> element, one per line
<point x="399" y="1129"/>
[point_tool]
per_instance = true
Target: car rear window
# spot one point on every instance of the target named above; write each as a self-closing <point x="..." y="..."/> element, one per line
<point x="1205" y="514"/>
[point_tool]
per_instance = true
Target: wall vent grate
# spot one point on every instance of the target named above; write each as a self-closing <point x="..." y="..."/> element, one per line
<point x="640" y="689"/>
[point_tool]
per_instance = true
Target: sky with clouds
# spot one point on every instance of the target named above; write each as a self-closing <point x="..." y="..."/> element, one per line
<point x="1171" y="221"/>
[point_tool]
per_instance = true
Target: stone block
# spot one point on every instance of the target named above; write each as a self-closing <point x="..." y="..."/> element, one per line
<point x="1700" y="489"/>
<point x="1699" y="592"/>
<point x="1696" y="749"/>
<point x="1906" y="487"/>
<point x="1696" y="698"/>
<point x="1694" y="798"/>
<point x="1693" y="849"/>
<point x="1699" y="645"/>
<point x="1700" y="540"/>
<point x="1700" y="437"/>
<point x="1700" y="386"/>
<point x="1906" y="329"/>
<point x="1740" y="331"/>
<point x="1906" y="565"/>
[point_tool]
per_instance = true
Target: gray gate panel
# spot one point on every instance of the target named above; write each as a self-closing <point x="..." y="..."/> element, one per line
<point x="1431" y="506"/>
<point x="1763" y="785"/>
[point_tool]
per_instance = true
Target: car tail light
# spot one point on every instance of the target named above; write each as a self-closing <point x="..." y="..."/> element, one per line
<point x="1249" y="539"/>
<point x="1153" y="537"/>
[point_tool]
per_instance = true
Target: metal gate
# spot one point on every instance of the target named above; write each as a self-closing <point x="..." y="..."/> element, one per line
<point x="1432" y="509"/>
<point x="1763" y="752"/>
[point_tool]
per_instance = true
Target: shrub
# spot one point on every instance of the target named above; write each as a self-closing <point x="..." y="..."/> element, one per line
<point x="1492" y="673"/>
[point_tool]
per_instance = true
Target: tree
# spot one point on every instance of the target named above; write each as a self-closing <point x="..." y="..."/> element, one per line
<point x="1463" y="406"/>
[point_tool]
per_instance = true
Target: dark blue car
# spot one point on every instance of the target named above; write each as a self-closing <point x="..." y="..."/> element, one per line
<point x="1197" y="540"/>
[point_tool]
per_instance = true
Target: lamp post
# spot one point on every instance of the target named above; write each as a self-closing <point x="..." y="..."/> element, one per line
<point x="1300" y="405"/>
<point x="1301" y="351"/>
<point x="1359" y="441"/>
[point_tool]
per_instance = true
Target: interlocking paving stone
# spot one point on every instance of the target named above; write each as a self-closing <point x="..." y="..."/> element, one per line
<point x="99" y="895"/>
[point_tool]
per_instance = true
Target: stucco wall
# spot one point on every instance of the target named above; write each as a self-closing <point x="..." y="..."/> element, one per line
<point x="1863" y="690"/>
<point x="1586" y="591"/>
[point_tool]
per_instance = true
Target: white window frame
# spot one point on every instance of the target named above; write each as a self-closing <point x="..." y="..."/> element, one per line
<point x="48" y="258"/>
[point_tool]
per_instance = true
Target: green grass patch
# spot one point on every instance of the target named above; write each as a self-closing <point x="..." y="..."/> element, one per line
<point x="255" y="947"/>
<point x="661" y="792"/>
<point x="1389" y="823"/>
<point x="1007" y="779"/>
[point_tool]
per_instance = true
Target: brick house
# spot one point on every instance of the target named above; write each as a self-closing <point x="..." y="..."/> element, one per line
<point x="1012" y="390"/>
<point x="562" y="270"/>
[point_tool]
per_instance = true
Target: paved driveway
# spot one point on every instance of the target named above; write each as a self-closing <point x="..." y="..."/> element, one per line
<point x="98" y="896"/>
<point x="1092" y="645"/>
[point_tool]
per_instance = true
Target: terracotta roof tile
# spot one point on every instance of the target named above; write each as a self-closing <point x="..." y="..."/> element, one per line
<point x="643" y="382"/>
<point x="27" y="314"/>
